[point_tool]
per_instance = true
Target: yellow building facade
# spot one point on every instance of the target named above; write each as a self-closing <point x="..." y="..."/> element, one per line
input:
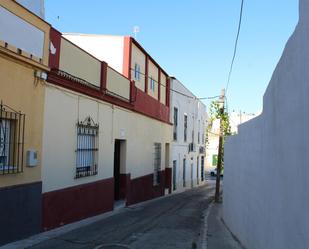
<point x="24" y="53"/>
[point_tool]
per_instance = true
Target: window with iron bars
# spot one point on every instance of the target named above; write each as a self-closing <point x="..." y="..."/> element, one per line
<point x="157" y="164"/>
<point x="12" y="128"/>
<point x="87" y="148"/>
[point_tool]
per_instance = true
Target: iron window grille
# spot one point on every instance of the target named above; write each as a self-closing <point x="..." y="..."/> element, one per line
<point x="87" y="148"/>
<point x="12" y="128"/>
<point x="157" y="164"/>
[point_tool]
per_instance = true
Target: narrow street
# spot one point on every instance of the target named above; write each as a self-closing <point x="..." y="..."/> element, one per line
<point x="176" y="221"/>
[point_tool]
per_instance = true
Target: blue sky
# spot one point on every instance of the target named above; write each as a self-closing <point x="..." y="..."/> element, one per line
<point x="194" y="40"/>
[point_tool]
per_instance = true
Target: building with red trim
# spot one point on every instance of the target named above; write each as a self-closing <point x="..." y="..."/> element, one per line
<point x="106" y="138"/>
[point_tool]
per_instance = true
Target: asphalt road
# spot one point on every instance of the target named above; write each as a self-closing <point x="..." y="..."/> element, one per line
<point x="173" y="222"/>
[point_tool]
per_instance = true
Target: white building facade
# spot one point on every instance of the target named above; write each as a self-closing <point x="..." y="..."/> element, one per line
<point x="212" y="144"/>
<point x="189" y="118"/>
<point x="265" y="200"/>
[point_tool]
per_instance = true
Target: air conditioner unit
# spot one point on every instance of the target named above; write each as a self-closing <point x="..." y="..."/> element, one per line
<point x="202" y="150"/>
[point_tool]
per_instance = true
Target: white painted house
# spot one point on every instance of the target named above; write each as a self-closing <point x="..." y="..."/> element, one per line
<point x="212" y="145"/>
<point x="189" y="118"/>
<point x="265" y="200"/>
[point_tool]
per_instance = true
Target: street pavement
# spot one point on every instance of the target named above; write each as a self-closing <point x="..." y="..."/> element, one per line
<point x="218" y="235"/>
<point x="173" y="222"/>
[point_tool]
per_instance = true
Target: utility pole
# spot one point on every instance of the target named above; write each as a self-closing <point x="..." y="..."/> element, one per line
<point x="219" y="162"/>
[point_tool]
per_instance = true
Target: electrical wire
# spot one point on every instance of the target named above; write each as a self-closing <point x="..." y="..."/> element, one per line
<point x="235" y="47"/>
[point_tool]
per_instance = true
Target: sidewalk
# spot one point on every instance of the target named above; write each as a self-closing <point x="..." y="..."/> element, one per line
<point x="218" y="235"/>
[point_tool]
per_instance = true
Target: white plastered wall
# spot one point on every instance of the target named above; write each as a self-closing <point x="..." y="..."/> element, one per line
<point x="62" y="111"/>
<point x="195" y="110"/>
<point x="266" y="173"/>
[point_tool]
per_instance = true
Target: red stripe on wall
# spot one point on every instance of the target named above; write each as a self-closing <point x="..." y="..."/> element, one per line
<point x="142" y="189"/>
<point x="54" y="55"/>
<point x="75" y="203"/>
<point x="149" y="106"/>
<point x="103" y="75"/>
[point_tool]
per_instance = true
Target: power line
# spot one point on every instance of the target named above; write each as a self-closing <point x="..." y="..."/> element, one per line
<point x="236" y="44"/>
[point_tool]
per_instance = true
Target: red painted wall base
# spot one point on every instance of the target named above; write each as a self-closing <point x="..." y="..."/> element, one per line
<point x="142" y="189"/>
<point x="75" y="203"/>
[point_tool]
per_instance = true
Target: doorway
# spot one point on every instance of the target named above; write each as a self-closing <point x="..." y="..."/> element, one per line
<point x="197" y="170"/>
<point x="119" y="168"/>
<point x="184" y="173"/>
<point x="202" y="168"/>
<point x="192" y="175"/>
<point x="174" y="174"/>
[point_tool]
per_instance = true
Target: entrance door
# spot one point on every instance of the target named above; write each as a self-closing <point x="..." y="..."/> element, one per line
<point x="192" y="175"/>
<point x="197" y="170"/>
<point x="202" y="168"/>
<point x="184" y="173"/>
<point x="117" y="169"/>
<point x="174" y="174"/>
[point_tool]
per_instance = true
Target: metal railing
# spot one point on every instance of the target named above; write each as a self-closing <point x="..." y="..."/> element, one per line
<point x="87" y="148"/>
<point x="12" y="128"/>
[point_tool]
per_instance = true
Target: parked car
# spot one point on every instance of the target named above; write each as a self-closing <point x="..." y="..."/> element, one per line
<point x="213" y="172"/>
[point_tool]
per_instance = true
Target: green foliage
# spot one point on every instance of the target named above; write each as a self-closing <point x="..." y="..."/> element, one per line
<point x="215" y="113"/>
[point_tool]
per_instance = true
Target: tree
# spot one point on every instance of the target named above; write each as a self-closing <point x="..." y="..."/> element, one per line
<point x="216" y="114"/>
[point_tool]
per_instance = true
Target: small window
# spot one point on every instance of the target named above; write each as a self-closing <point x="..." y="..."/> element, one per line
<point x="152" y="84"/>
<point x="185" y="127"/>
<point x="175" y="124"/>
<point x="157" y="164"/>
<point x="198" y="133"/>
<point x="12" y="125"/>
<point x="192" y="136"/>
<point x="87" y="148"/>
<point x="137" y="72"/>
<point x="184" y="173"/>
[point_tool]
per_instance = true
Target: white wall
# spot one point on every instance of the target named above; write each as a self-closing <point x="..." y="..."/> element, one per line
<point x="195" y="111"/>
<point x="35" y="6"/>
<point x="21" y="34"/>
<point x="266" y="164"/>
<point x="63" y="109"/>
<point x="105" y="48"/>
<point x="237" y="118"/>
